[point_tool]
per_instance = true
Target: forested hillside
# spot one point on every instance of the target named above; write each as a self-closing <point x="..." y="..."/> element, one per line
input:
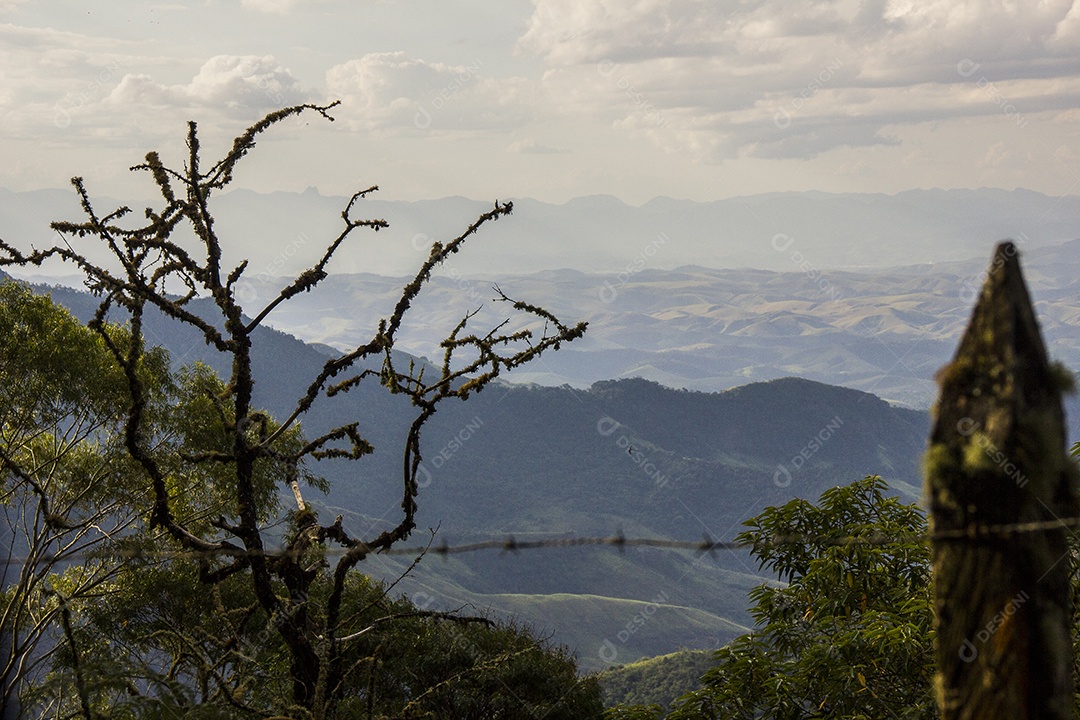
<point x="657" y="680"/>
<point x="623" y="456"/>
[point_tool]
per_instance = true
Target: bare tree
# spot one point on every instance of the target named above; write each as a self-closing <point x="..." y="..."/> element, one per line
<point x="148" y="258"/>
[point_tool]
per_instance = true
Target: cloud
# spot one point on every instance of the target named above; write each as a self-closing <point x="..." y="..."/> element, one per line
<point x="69" y="60"/>
<point x="229" y="82"/>
<point x="530" y="146"/>
<point x="795" y="78"/>
<point x="57" y="80"/>
<point x="395" y="92"/>
<point x="12" y="5"/>
<point x="279" y="7"/>
<point x="90" y="87"/>
<point x="1066" y="36"/>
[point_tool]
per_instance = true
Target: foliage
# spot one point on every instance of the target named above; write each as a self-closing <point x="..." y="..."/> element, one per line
<point x="205" y="467"/>
<point x="847" y="633"/>
<point x="652" y="711"/>
<point x="151" y="611"/>
<point x="655" y="681"/>
<point x="214" y="653"/>
<point x="1074" y="549"/>
<point x="63" y="471"/>
<point x="440" y="666"/>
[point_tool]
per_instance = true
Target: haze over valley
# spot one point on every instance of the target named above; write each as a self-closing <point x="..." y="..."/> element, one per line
<point x="865" y="291"/>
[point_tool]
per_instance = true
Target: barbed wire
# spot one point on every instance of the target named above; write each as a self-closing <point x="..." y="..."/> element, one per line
<point x="510" y="544"/>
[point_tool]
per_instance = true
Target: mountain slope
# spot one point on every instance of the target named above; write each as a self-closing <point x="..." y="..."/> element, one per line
<point x="860" y="290"/>
<point x="625" y="456"/>
<point x="656" y="680"/>
<point x="883" y="331"/>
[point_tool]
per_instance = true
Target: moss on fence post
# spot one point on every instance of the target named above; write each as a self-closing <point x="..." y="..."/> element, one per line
<point x="997" y="458"/>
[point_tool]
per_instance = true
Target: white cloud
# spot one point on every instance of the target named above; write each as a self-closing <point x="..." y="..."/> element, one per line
<point x="140" y="89"/>
<point x="95" y="86"/>
<point x="1066" y="36"/>
<point x="71" y="89"/>
<point x="42" y="63"/>
<point x="12" y="5"/>
<point x="229" y="82"/>
<point x="566" y="32"/>
<point x="395" y="92"/>
<point x="245" y="80"/>
<point x="57" y="80"/>
<point x="794" y="78"/>
<point x="529" y="146"/>
<point x="279" y="7"/>
<point x="639" y="96"/>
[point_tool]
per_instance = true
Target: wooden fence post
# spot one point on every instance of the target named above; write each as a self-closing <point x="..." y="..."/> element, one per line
<point x="996" y="459"/>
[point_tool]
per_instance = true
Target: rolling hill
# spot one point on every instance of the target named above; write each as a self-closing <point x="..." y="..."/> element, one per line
<point x="884" y="331"/>
<point x="626" y="456"/>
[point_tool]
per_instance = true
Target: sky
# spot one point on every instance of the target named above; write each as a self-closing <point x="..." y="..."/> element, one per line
<point x="550" y="99"/>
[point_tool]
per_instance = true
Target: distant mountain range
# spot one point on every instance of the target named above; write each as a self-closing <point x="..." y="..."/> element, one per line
<point x="624" y="456"/>
<point x="863" y="291"/>
<point x="885" y="331"/>
<point x="283" y="232"/>
<point x="605" y="444"/>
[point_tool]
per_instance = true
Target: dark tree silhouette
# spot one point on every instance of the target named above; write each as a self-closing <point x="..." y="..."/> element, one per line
<point x="146" y="259"/>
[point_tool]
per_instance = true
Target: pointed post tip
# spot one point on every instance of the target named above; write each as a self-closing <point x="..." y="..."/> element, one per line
<point x="1006" y="260"/>
<point x="995" y="461"/>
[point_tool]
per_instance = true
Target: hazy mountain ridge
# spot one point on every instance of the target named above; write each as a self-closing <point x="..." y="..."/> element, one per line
<point x="556" y="462"/>
<point x="286" y="232"/>
<point x="629" y="456"/>
<point x="599" y="456"/>
<point x="885" y="324"/>
<point x="885" y="332"/>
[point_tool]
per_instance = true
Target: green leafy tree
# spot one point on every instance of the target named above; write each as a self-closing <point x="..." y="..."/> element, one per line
<point x="437" y="665"/>
<point x="847" y="632"/>
<point x="163" y="644"/>
<point x="149" y="616"/>
<point x="1074" y="549"/>
<point x="655" y="681"/>
<point x="63" y="472"/>
<point x="204" y="492"/>
<point x="650" y="711"/>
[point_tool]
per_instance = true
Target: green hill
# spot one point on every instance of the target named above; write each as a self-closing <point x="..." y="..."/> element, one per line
<point x="626" y="456"/>
<point x="620" y="629"/>
<point x="657" y="680"/>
